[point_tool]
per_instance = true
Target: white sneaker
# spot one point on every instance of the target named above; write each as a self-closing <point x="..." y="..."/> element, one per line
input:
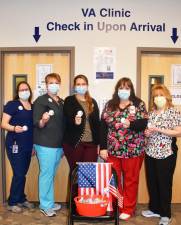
<point x="57" y="207"/>
<point x="124" y="216"/>
<point x="48" y="212"/>
<point x="149" y="213"/>
<point x="14" y="208"/>
<point x="164" y="221"/>
<point x="27" y="205"/>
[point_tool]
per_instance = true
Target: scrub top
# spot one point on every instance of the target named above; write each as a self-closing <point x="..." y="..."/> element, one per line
<point x="21" y="117"/>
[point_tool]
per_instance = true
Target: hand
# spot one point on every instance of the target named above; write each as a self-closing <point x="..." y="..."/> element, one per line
<point x="45" y="117"/>
<point x="147" y="132"/>
<point x="78" y="120"/>
<point x="104" y="154"/>
<point x="33" y="152"/>
<point x="126" y="123"/>
<point x="18" y="129"/>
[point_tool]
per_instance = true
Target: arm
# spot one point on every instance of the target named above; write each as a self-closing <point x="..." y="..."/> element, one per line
<point x="7" y="126"/>
<point x="176" y="132"/>
<point x="5" y="123"/>
<point x="103" y="140"/>
<point x="70" y="114"/>
<point x="138" y="125"/>
<point x="40" y="114"/>
<point x="141" y="123"/>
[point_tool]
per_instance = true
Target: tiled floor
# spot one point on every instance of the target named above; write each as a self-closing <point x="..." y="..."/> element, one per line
<point x="34" y="217"/>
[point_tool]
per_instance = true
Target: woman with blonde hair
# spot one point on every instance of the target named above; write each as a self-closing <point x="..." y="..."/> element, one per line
<point x="164" y="125"/>
<point x="81" y="112"/>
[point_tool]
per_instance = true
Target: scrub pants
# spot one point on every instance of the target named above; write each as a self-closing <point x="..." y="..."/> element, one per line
<point x="128" y="170"/>
<point x="49" y="159"/>
<point x="159" y="180"/>
<point x="20" y="163"/>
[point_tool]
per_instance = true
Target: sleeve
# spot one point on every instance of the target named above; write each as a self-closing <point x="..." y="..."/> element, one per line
<point x="97" y="120"/>
<point x="69" y="113"/>
<point x="10" y="108"/>
<point x="141" y="123"/>
<point x="38" y="109"/>
<point x="103" y="133"/>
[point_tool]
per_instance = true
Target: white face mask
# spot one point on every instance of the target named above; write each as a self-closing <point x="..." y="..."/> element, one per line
<point x="160" y="101"/>
<point x="24" y="95"/>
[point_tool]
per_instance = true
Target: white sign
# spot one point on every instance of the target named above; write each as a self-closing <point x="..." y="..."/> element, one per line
<point x="176" y="95"/>
<point x="41" y="71"/>
<point x="176" y="74"/>
<point x="104" y="62"/>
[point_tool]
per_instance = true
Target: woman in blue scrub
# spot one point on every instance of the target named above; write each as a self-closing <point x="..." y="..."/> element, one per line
<point x="48" y="133"/>
<point x="17" y="120"/>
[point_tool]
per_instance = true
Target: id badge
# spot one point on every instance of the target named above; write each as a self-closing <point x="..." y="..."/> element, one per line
<point x="15" y="148"/>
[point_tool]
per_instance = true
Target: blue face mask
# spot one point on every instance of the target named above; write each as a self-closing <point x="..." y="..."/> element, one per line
<point x="124" y="94"/>
<point x="24" y="95"/>
<point x="81" y="90"/>
<point x="53" y="88"/>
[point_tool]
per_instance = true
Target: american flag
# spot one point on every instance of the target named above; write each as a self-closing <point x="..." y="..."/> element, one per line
<point x="93" y="178"/>
<point x="115" y="192"/>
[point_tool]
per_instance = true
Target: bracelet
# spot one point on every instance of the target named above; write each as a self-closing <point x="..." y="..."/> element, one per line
<point x="14" y="128"/>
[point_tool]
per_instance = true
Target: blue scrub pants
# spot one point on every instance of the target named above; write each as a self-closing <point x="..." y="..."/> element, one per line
<point x="20" y="163"/>
<point x="49" y="159"/>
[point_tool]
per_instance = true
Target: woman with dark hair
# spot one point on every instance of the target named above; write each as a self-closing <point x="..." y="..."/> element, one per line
<point x="122" y="141"/>
<point x="17" y="120"/>
<point x="82" y="124"/>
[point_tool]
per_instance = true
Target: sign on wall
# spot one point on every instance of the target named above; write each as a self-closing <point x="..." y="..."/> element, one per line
<point x="104" y="62"/>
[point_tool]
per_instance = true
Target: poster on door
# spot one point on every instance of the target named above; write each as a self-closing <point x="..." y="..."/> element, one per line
<point x="41" y="71"/>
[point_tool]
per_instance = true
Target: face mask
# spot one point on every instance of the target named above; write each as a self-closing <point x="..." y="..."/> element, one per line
<point x="53" y="88"/>
<point x="160" y="101"/>
<point x="124" y="94"/>
<point x="81" y="90"/>
<point x="24" y="95"/>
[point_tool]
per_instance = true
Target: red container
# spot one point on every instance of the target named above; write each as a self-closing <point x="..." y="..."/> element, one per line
<point x="91" y="209"/>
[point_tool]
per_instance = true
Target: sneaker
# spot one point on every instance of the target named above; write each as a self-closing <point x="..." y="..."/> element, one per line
<point x="149" y="213"/>
<point x="27" y="205"/>
<point x="48" y="212"/>
<point x="57" y="207"/>
<point x="164" y="221"/>
<point x="14" y="208"/>
<point x="124" y="216"/>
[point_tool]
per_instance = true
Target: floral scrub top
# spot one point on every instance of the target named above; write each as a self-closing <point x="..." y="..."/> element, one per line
<point x="125" y="142"/>
<point x="159" y="145"/>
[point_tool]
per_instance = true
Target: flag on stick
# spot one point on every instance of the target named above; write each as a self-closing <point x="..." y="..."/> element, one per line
<point x="115" y="192"/>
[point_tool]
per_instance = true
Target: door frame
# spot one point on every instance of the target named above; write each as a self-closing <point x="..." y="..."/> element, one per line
<point x="151" y="50"/>
<point x="3" y="51"/>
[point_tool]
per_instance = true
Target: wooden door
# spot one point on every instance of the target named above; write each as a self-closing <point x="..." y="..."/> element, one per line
<point x="159" y="65"/>
<point x="25" y="63"/>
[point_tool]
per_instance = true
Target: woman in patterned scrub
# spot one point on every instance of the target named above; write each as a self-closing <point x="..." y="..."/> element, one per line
<point x="164" y="125"/>
<point x="123" y="142"/>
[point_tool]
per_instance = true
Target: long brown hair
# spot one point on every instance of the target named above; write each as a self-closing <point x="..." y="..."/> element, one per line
<point x="88" y="98"/>
<point x="162" y="88"/>
<point x="16" y="97"/>
<point x="113" y="104"/>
